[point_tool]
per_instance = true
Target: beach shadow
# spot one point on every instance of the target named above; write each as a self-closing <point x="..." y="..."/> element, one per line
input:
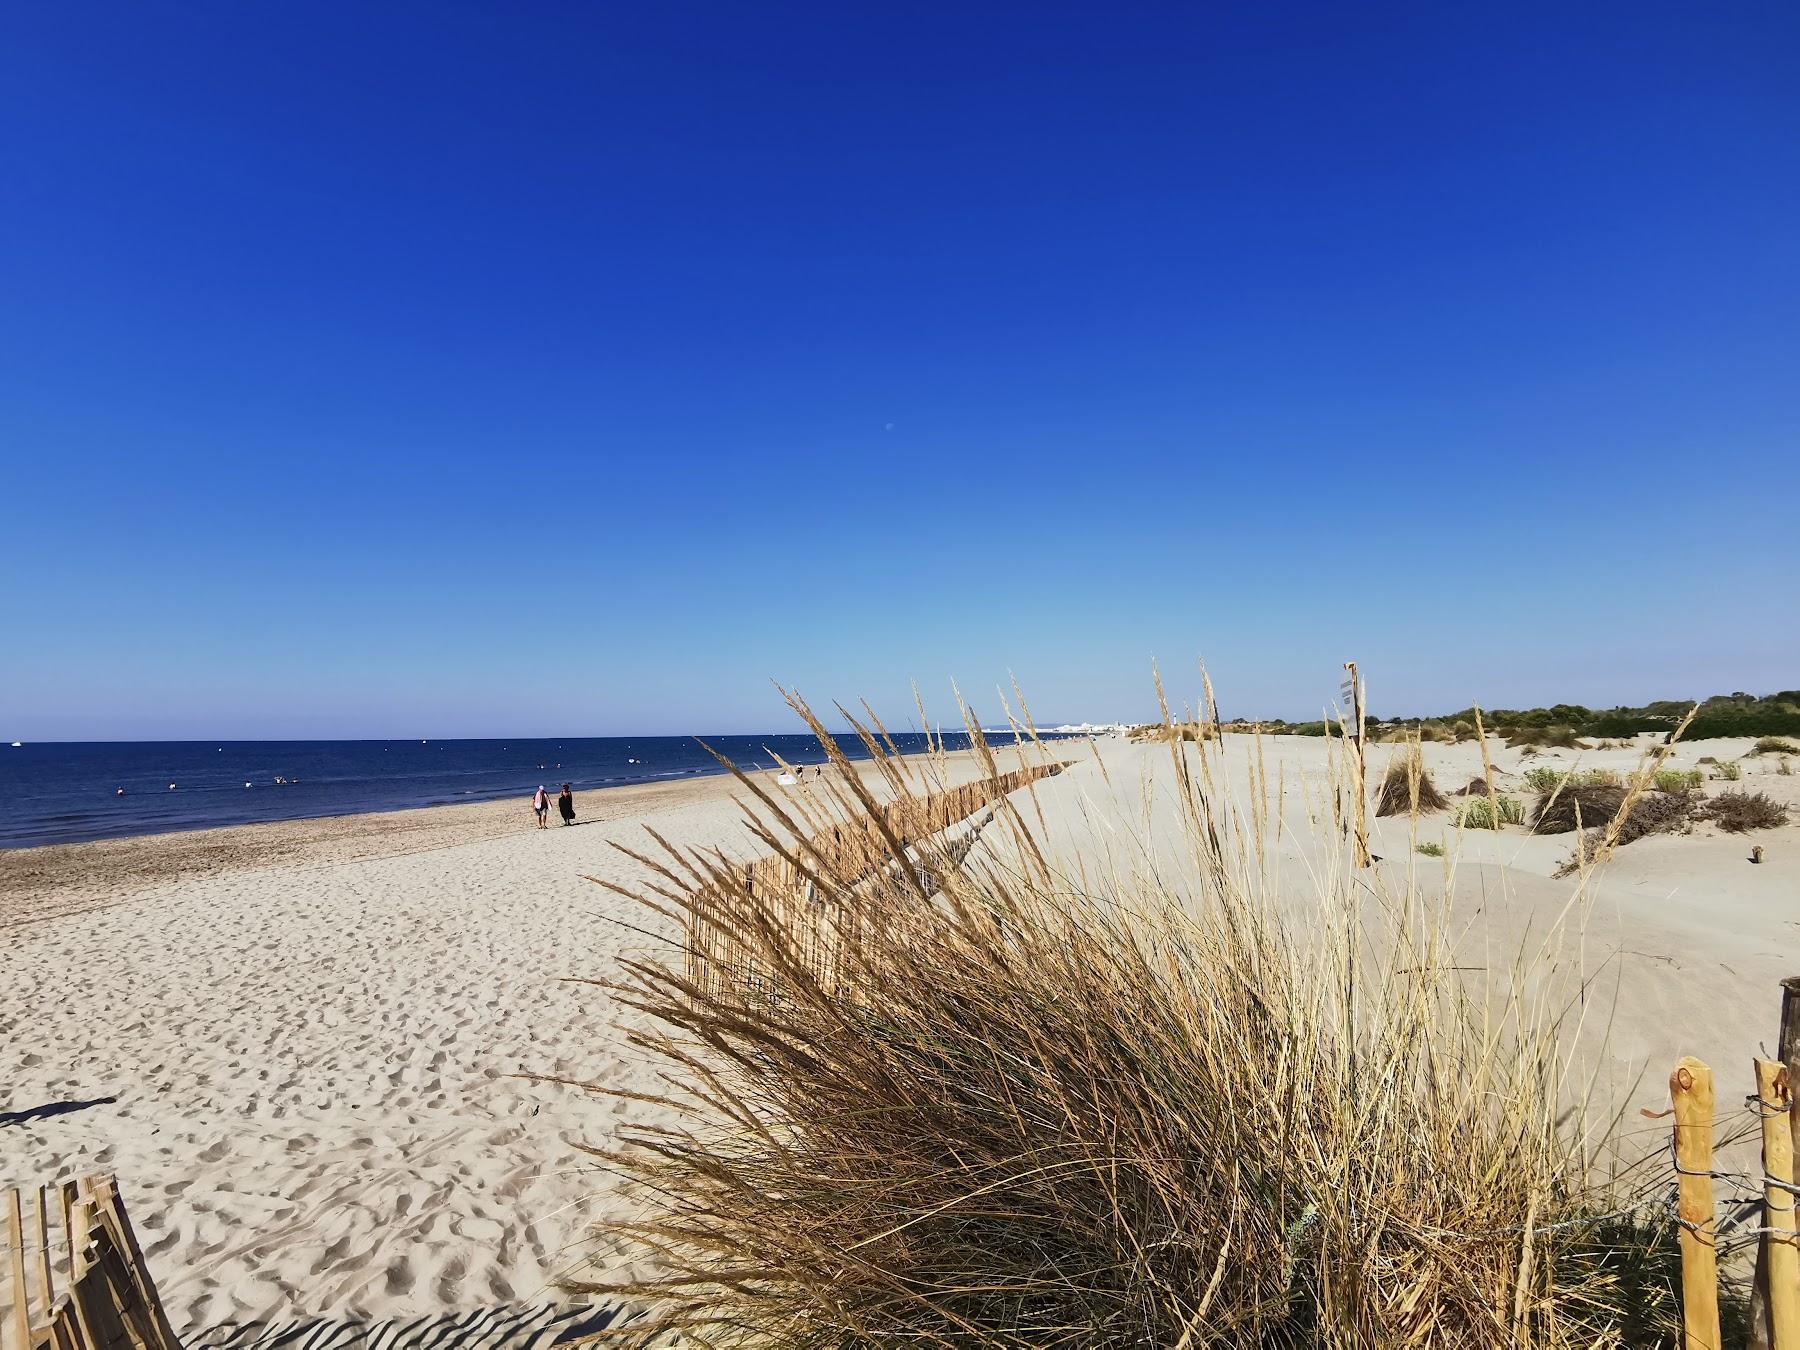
<point x="49" y="1109"/>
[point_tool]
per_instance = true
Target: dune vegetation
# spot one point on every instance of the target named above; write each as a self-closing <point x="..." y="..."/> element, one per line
<point x="976" y="1100"/>
<point x="1737" y="812"/>
<point x="1770" y="717"/>
<point x="1406" y="788"/>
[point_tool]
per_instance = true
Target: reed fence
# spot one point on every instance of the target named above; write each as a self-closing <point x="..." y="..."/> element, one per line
<point x="812" y="892"/>
<point x="76" y="1235"/>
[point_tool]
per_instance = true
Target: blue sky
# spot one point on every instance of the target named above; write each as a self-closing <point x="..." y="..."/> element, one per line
<point x="445" y="369"/>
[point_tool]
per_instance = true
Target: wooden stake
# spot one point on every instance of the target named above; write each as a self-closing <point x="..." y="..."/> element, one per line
<point x="46" y="1294"/>
<point x="118" y="1223"/>
<point x="1775" y="1101"/>
<point x="67" y="1196"/>
<point x="1360" y="774"/>
<point x="1788" y="1050"/>
<point x="15" y="1239"/>
<point x="1691" y="1090"/>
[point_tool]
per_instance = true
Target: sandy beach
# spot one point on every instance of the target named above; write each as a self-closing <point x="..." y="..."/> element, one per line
<point x="302" y="1048"/>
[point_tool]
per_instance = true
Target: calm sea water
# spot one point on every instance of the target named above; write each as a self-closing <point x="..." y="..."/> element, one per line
<point x="62" y="793"/>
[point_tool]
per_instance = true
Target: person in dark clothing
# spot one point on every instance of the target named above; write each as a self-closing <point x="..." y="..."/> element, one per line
<point x="566" y="804"/>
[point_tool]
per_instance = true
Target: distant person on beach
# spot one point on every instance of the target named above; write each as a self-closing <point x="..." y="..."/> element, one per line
<point x="540" y="803"/>
<point x="566" y="804"/>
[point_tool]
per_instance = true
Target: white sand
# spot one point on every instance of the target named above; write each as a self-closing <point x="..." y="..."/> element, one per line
<point x="301" y="1064"/>
<point x="300" y="1057"/>
<point x="1687" y="939"/>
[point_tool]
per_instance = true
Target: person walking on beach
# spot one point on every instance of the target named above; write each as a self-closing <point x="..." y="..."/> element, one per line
<point x="566" y="805"/>
<point x="540" y="803"/>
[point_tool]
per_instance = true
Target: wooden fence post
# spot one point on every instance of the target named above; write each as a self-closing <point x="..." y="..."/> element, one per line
<point x="1781" y="1255"/>
<point x="1360" y="773"/>
<point x="1691" y="1091"/>
<point x="1788" y="1051"/>
<point x="15" y="1242"/>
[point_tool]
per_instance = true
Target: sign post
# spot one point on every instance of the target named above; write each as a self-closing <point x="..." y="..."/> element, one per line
<point x="1353" y="702"/>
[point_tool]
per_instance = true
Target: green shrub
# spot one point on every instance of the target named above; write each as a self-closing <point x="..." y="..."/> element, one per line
<point x="1679" y="780"/>
<point x="1432" y="850"/>
<point x="1729" y="771"/>
<point x="1706" y="727"/>
<point x="1774" y="745"/>
<point x="1477" y="813"/>
<point x="1546" y="778"/>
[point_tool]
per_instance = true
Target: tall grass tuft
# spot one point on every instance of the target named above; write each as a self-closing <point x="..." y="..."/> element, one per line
<point x="1406" y="788"/>
<point x="1135" y="1105"/>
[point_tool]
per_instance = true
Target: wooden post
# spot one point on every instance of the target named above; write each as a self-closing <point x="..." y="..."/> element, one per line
<point x="1787" y="1048"/>
<point x="15" y="1241"/>
<point x="46" y="1291"/>
<point x="1359" y="774"/>
<point x="65" y="1196"/>
<point x="1691" y="1090"/>
<point x="1781" y="1254"/>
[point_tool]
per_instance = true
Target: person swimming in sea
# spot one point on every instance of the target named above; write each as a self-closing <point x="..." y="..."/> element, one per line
<point x="565" y="803"/>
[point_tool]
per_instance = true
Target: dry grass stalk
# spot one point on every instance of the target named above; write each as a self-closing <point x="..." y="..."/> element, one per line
<point x="1032" y="1113"/>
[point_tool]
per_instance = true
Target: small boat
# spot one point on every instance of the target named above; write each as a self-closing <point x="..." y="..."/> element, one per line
<point x="17" y="744"/>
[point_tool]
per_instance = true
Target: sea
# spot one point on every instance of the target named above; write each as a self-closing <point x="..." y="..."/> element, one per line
<point x="63" y="793"/>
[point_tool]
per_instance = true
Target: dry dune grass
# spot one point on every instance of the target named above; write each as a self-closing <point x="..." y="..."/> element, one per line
<point x="1562" y="738"/>
<point x="1571" y="806"/>
<point x="1176" y="731"/>
<point x="1019" y="1111"/>
<point x="1737" y="812"/>
<point x="1594" y="806"/>
<point x="1407" y="788"/>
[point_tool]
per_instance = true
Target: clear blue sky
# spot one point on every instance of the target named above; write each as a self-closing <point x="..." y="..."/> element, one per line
<point x="445" y="369"/>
